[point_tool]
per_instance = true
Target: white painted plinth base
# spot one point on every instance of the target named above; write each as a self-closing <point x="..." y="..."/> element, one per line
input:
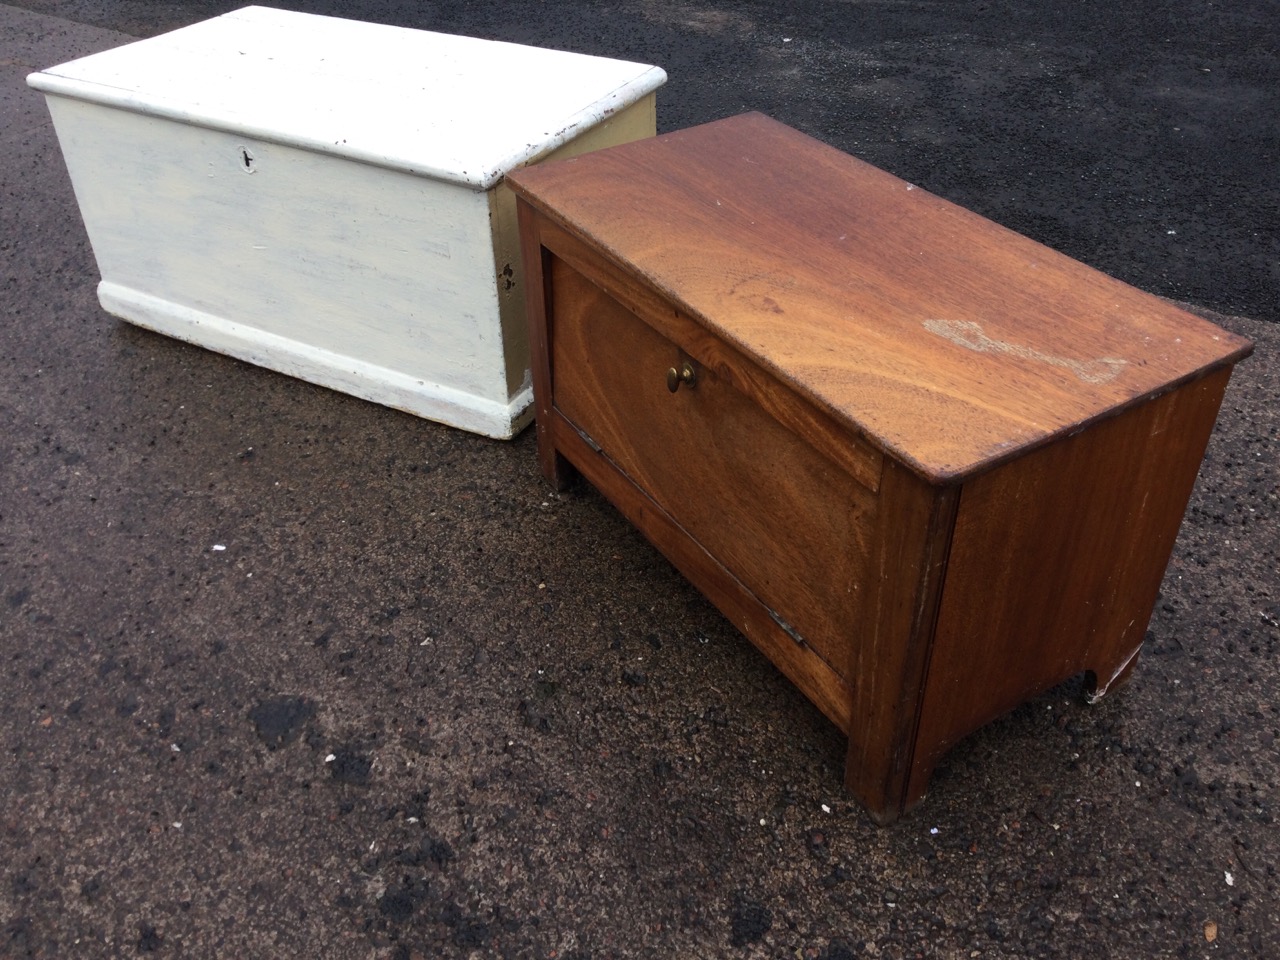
<point x="369" y="381"/>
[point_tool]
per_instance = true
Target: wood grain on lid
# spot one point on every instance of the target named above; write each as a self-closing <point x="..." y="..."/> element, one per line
<point x="949" y="341"/>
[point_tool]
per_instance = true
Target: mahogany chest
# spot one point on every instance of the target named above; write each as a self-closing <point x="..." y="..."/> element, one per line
<point x="930" y="467"/>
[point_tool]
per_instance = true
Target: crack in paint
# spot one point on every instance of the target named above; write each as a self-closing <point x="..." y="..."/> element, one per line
<point x="966" y="333"/>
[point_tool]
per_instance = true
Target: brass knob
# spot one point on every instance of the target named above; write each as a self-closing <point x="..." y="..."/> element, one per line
<point x="685" y="374"/>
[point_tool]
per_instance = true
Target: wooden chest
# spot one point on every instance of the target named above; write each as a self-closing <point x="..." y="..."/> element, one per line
<point x="324" y="197"/>
<point x="930" y="467"/>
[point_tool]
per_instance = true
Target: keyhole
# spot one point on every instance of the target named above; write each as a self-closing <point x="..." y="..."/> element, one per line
<point x="246" y="160"/>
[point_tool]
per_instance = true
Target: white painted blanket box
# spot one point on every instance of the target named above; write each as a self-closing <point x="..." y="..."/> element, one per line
<point x="325" y="197"/>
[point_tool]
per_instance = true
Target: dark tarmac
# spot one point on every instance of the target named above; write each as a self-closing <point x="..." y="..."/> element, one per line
<point x="420" y="706"/>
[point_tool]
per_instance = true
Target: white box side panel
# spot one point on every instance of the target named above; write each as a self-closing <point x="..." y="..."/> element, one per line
<point x="636" y="122"/>
<point x="349" y="259"/>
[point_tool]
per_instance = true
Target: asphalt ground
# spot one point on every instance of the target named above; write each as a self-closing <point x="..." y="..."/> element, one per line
<point x="421" y="706"/>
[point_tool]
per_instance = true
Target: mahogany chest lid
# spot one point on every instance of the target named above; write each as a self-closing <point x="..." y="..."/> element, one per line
<point x="948" y="341"/>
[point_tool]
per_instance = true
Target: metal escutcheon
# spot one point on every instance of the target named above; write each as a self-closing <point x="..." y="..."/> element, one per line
<point x="685" y="374"/>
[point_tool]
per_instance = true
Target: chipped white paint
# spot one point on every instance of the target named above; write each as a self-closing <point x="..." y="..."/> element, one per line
<point x="323" y="197"/>
<point x="966" y="333"/>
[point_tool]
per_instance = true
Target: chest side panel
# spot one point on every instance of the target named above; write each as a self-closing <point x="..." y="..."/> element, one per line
<point x="1057" y="560"/>
<point x="788" y="522"/>
<point x="344" y="257"/>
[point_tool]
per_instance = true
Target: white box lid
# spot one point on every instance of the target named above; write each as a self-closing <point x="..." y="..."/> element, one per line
<point x="448" y="107"/>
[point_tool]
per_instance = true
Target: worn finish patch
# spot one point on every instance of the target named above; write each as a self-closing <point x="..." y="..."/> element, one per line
<point x="970" y="335"/>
